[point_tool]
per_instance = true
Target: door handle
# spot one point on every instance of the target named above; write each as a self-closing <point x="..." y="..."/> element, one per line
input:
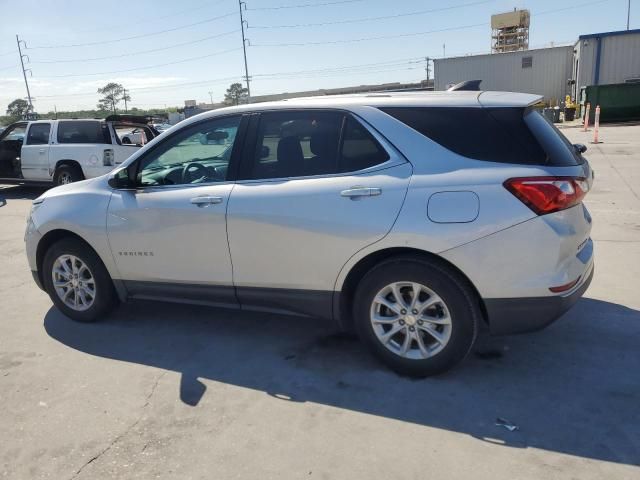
<point x="356" y="192"/>
<point x="206" y="200"/>
<point x="41" y="150"/>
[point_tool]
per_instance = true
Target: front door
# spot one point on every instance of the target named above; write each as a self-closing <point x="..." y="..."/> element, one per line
<point x="35" y="152"/>
<point x="168" y="236"/>
<point x="318" y="187"/>
<point x="11" y="141"/>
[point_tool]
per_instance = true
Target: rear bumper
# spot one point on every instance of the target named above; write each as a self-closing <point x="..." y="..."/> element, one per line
<point x="520" y="315"/>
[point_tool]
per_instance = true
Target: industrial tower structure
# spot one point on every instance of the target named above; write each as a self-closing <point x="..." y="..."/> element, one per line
<point x="510" y="31"/>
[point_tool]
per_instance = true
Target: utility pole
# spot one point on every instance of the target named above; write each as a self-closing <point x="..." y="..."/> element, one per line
<point x="628" y="12"/>
<point x="124" y="97"/>
<point x="24" y="71"/>
<point x="428" y="68"/>
<point x="55" y="109"/>
<point x="244" y="50"/>
<point x="211" y="96"/>
<point x="444" y="50"/>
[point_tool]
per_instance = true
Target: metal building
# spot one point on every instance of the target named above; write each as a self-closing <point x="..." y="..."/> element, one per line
<point x="606" y="58"/>
<point x="544" y="71"/>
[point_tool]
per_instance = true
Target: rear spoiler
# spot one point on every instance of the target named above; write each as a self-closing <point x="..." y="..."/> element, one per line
<point x="467" y="85"/>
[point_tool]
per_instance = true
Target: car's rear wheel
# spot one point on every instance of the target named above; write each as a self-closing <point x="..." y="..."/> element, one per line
<point x="416" y="315"/>
<point x="67" y="174"/>
<point x="77" y="281"/>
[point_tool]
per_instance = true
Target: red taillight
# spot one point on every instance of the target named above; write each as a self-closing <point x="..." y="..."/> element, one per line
<point x="565" y="287"/>
<point x="548" y="194"/>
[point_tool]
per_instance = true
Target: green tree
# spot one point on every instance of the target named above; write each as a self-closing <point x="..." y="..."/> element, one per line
<point x="236" y="94"/>
<point x="17" y="109"/>
<point x="112" y="94"/>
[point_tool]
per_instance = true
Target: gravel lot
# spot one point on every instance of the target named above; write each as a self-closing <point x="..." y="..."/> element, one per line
<point x="163" y="391"/>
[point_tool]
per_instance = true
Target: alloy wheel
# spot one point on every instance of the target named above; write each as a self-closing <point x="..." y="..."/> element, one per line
<point x="73" y="282"/>
<point x="411" y="320"/>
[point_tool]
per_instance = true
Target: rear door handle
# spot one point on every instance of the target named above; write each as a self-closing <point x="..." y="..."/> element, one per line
<point x="42" y="150"/>
<point x="355" y="192"/>
<point x="206" y="200"/>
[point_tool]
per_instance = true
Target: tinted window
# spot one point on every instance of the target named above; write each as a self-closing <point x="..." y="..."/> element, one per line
<point x="490" y="134"/>
<point x="295" y="144"/>
<point x="359" y="149"/>
<point x="39" y="134"/>
<point x="196" y="154"/>
<point x="83" y="132"/>
<point x="559" y="149"/>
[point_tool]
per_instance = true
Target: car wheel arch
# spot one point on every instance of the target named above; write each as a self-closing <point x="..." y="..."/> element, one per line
<point x="69" y="163"/>
<point x="343" y="300"/>
<point x="52" y="237"/>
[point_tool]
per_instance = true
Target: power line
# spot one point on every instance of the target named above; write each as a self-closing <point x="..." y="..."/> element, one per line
<point x="413" y="34"/>
<point x="159" y="32"/>
<point x="161" y="87"/>
<point x="131" y="54"/>
<point x="146" y="67"/>
<point x="371" y="19"/>
<point x="7" y="68"/>
<point x="365" y="39"/>
<point x="304" y="5"/>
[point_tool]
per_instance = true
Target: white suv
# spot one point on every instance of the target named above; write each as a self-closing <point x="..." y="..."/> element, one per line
<point x="64" y="151"/>
<point x="413" y="218"/>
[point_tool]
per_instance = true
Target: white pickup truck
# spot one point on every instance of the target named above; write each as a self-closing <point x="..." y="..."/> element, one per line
<point x="65" y="151"/>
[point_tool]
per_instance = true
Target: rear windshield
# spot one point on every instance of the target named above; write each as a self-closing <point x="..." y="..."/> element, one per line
<point x="83" y="132"/>
<point x="505" y="135"/>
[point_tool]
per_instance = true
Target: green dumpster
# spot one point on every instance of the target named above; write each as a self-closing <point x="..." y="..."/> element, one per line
<point x="619" y="102"/>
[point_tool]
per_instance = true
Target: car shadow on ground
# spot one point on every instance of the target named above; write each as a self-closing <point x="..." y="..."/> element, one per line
<point x="18" y="192"/>
<point x="572" y="388"/>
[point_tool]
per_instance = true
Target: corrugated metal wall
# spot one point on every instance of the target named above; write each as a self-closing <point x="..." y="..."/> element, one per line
<point x="620" y="58"/>
<point x="548" y="75"/>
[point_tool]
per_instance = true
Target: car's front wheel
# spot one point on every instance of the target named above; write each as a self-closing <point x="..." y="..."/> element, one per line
<point x="417" y="315"/>
<point x="77" y="281"/>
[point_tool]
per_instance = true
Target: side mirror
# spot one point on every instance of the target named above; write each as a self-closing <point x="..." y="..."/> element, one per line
<point x="580" y="148"/>
<point x="120" y="179"/>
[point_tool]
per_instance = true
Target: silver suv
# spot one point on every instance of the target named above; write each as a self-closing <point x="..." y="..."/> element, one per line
<point x="415" y="219"/>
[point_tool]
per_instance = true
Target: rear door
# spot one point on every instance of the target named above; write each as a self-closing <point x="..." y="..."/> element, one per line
<point x="35" y="152"/>
<point x="315" y="187"/>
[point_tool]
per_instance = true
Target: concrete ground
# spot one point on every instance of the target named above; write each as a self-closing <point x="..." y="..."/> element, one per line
<point x="162" y="391"/>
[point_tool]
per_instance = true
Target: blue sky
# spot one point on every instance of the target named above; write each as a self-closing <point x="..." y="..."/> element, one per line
<point x="67" y="76"/>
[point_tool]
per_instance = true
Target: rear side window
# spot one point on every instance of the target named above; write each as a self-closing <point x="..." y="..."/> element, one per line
<point x="39" y="134"/>
<point x="306" y="143"/>
<point x="505" y="135"/>
<point x="359" y="149"/>
<point x="83" y="132"/>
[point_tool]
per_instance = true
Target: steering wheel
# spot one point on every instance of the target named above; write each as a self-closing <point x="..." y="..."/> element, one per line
<point x="193" y="171"/>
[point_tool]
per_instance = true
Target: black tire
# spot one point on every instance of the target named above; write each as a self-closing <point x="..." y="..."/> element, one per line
<point x="105" y="295"/>
<point x="454" y="290"/>
<point x="67" y="172"/>
<point x="126" y="141"/>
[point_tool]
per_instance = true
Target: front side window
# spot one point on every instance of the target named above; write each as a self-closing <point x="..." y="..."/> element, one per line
<point x="39" y="134"/>
<point x="197" y="154"/>
<point x="70" y="131"/>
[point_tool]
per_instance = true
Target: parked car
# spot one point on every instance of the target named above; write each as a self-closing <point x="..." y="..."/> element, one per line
<point x="62" y="151"/>
<point x="414" y="218"/>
